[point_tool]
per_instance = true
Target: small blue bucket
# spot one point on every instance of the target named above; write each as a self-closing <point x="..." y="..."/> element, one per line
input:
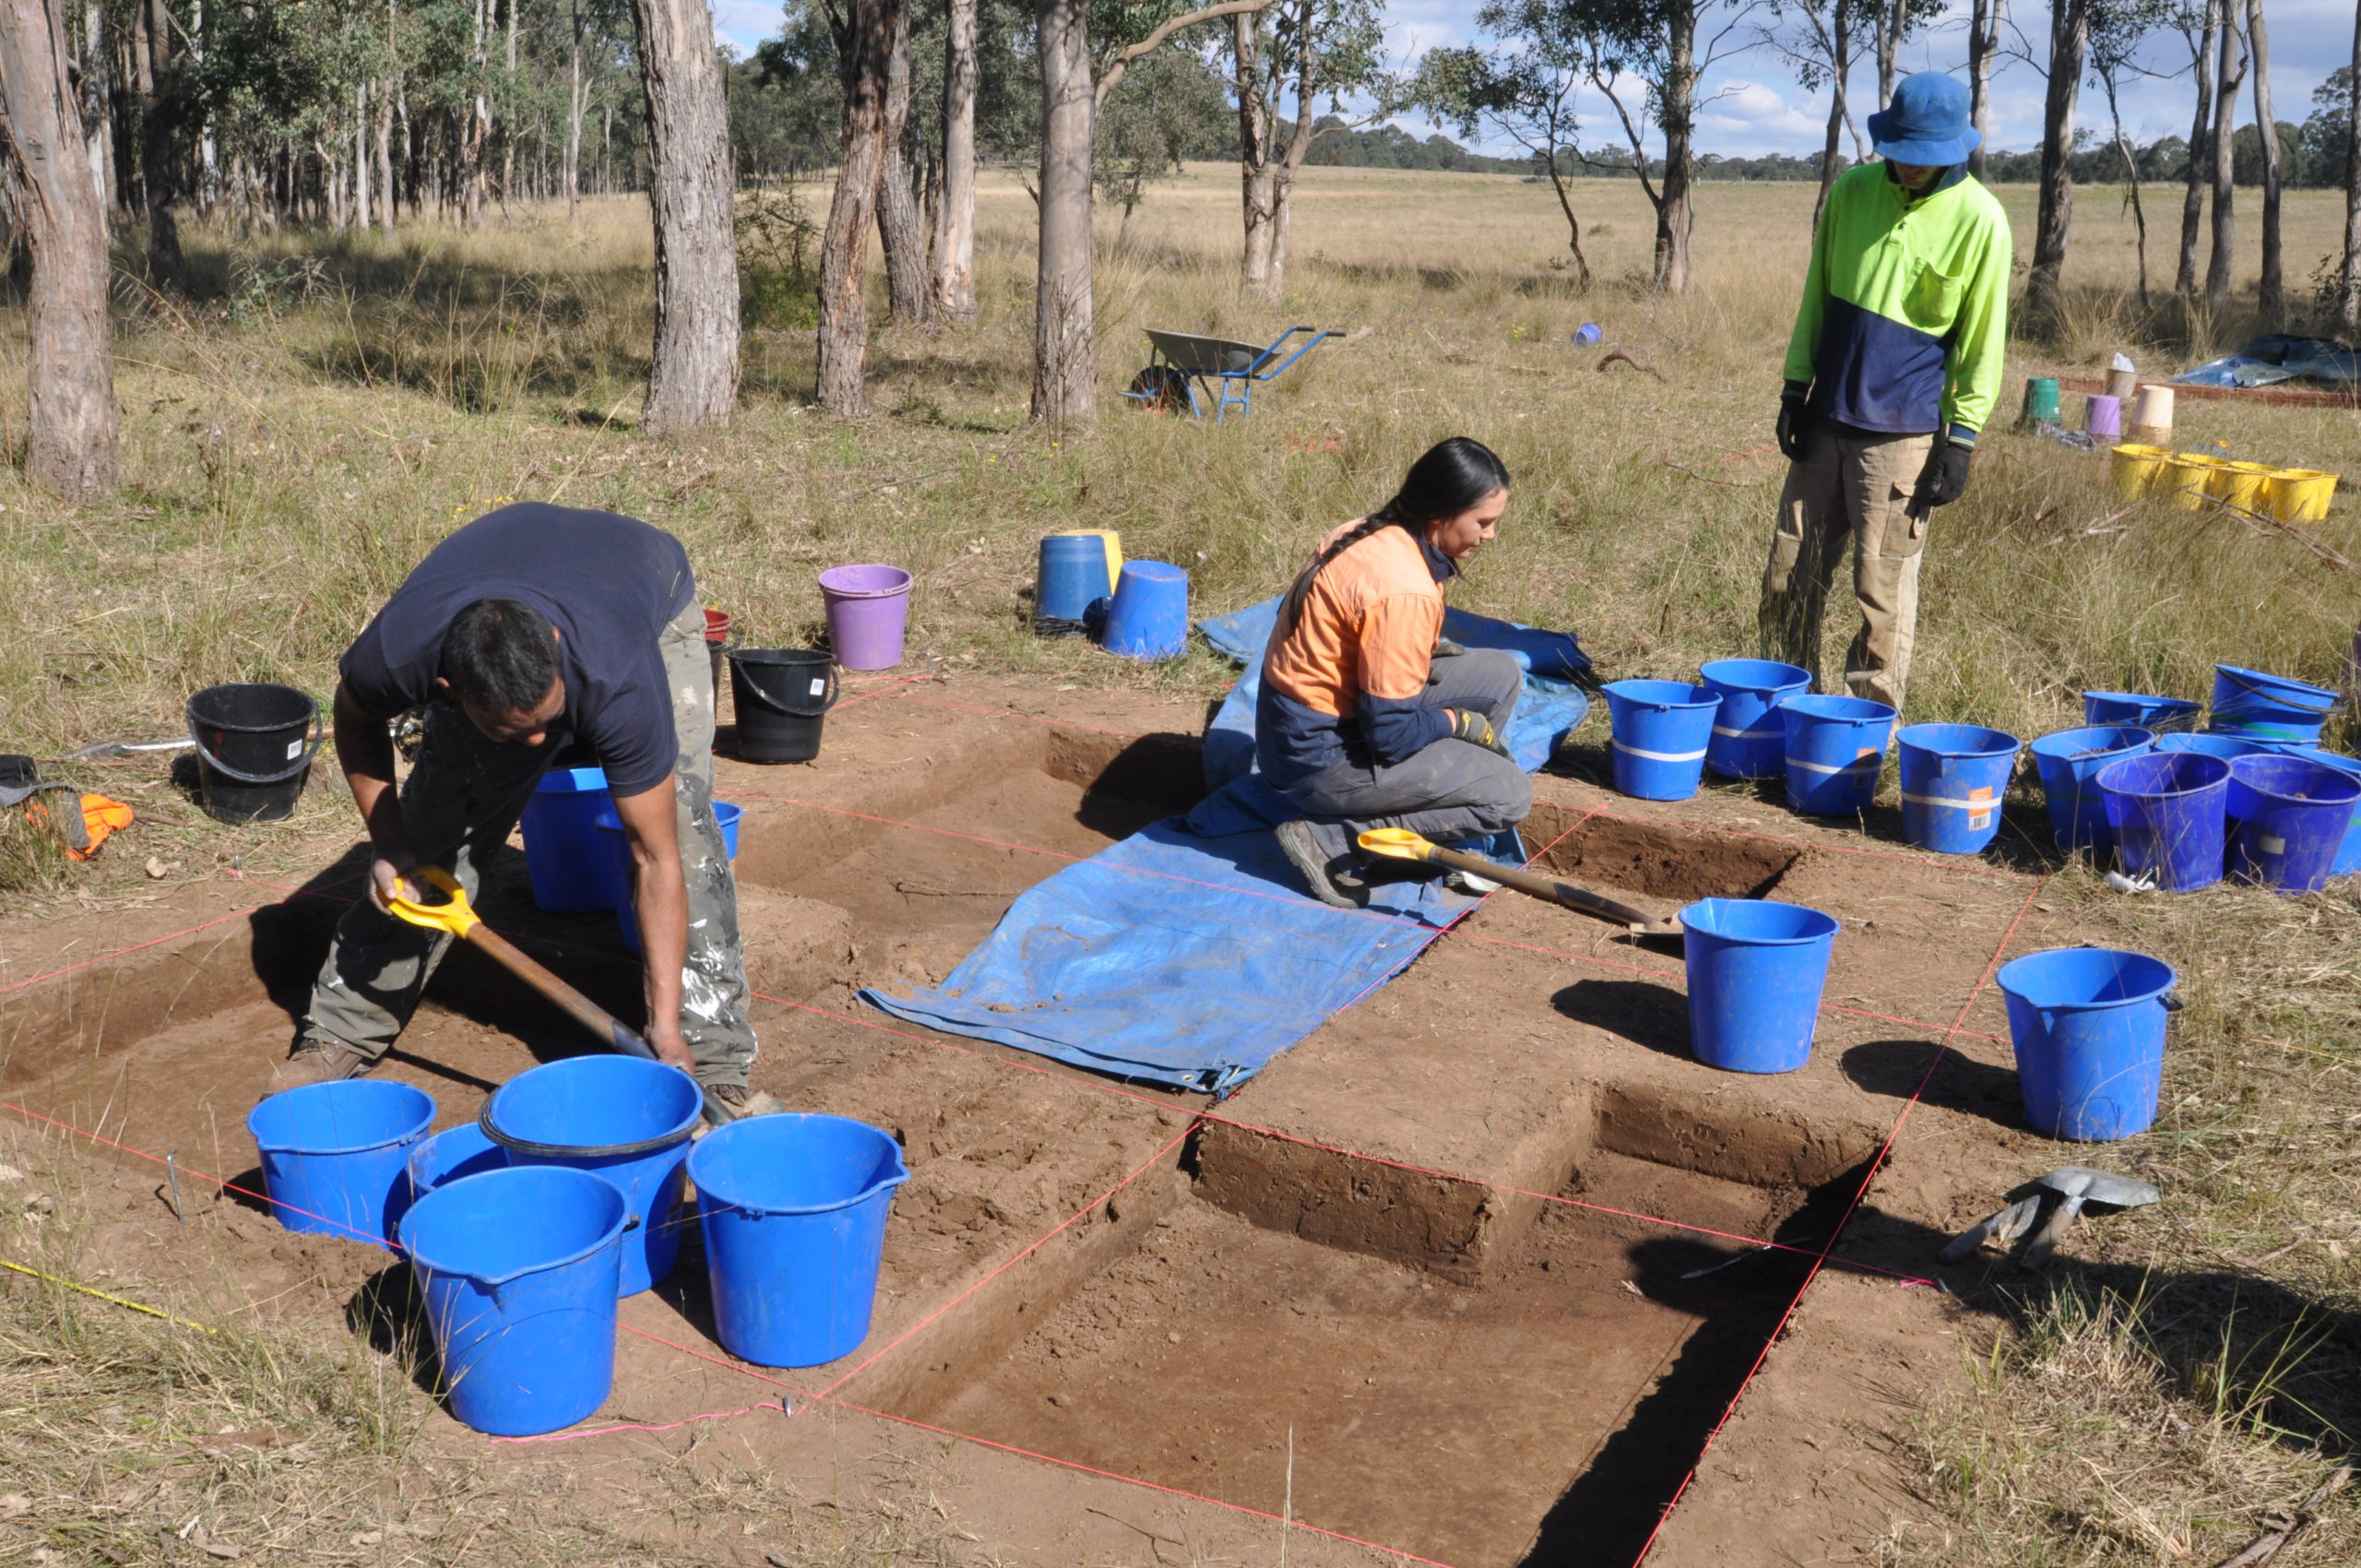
<point x="615" y="844"/>
<point x="1149" y="615"/>
<point x="1756" y="970"/>
<point x="2069" y="761"/>
<point x="2165" y="811"/>
<point x="1660" y="729"/>
<point x="332" y="1154"/>
<point x="624" y="1118"/>
<point x="562" y="850"/>
<point x="2088" y="1025"/>
<point x="2227" y="747"/>
<point x="1953" y="776"/>
<point x="2268" y="708"/>
<point x="1750" y="734"/>
<point x="2348" y="852"/>
<point x="2288" y="818"/>
<point x="451" y="1155"/>
<point x="1071" y="578"/>
<point x="1835" y="749"/>
<point x="517" y="1270"/>
<point x="793" y="1208"/>
<point x="2163" y="715"/>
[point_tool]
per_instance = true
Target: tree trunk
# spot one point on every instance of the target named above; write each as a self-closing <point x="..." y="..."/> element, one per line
<point x="2130" y="174"/>
<point x="1983" y="43"/>
<point x="2272" y="290"/>
<point x="2348" y="314"/>
<point x="361" y="216"/>
<point x="692" y="380"/>
<point x="955" y="228"/>
<point x="864" y="54"/>
<point x="2229" y="72"/>
<point x="1065" y="358"/>
<point x="2070" y="25"/>
<point x="70" y="368"/>
<point x="899" y="228"/>
<point x="385" y="152"/>
<point x="1680" y="114"/>
<point x="1253" y="154"/>
<point x="98" y="121"/>
<point x="159" y="163"/>
<point x="1892" y="16"/>
<point x="1283" y="177"/>
<point x="1840" y="50"/>
<point x="575" y="102"/>
<point x="2200" y="130"/>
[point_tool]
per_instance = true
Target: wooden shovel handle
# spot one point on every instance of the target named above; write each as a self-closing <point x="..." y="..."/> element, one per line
<point x="1581" y="900"/>
<point x="580" y="1008"/>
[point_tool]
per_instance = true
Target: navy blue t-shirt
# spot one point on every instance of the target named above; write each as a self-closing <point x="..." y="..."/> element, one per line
<point x="609" y="584"/>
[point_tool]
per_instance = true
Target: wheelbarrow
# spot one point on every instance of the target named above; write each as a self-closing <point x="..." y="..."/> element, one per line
<point x="1182" y="366"/>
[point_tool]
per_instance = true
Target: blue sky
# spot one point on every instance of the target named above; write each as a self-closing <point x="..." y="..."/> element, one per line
<point x="1758" y="108"/>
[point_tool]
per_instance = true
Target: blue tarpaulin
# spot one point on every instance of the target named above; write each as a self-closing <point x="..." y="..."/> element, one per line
<point x="1188" y="955"/>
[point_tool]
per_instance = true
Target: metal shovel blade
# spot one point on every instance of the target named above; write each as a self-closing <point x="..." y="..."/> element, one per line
<point x="2076" y="1185"/>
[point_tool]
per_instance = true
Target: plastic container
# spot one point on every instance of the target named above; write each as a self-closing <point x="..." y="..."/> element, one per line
<point x="1149" y="616"/>
<point x="1075" y="573"/>
<point x="2069" y="761"/>
<point x="2136" y="470"/>
<point x="2227" y="747"/>
<point x="563" y="854"/>
<point x="1660" y="729"/>
<point x="1953" y="779"/>
<point x="2242" y="484"/>
<point x="615" y="846"/>
<point x="781" y="696"/>
<point x="255" y="745"/>
<point x="2188" y="480"/>
<point x="868" y="610"/>
<point x="451" y="1155"/>
<point x="2163" y="715"/>
<point x="2151" y="414"/>
<point x="2256" y="707"/>
<point x="2348" y="851"/>
<point x="622" y="1118"/>
<point x="793" y="1209"/>
<point x="2288" y="817"/>
<point x="2300" y="495"/>
<point x="1588" y="335"/>
<point x="2165" y="811"/>
<point x="2088" y="1025"/>
<point x="2041" y="399"/>
<point x="1756" y="970"/>
<point x="2103" y="416"/>
<point x="716" y="641"/>
<point x="333" y="1154"/>
<point x="517" y="1268"/>
<point x="1835" y="748"/>
<point x="1750" y="737"/>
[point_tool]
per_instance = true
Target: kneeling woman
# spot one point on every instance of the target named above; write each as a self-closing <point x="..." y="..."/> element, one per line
<point x="1367" y="717"/>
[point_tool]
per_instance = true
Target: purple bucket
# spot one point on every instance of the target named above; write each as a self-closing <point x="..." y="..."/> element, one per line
<point x="2105" y="416"/>
<point x="868" y="607"/>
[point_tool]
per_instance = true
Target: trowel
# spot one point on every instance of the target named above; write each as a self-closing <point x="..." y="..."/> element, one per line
<point x="1401" y="844"/>
<point x="2071" y="1187"/>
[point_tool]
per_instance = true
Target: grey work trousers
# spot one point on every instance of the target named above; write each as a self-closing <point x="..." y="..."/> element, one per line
<point x="459" y="804"/>
<point x="1451" y="790"/>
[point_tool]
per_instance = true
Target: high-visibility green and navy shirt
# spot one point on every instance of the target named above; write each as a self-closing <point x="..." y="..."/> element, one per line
<point x="1906" y="308"/>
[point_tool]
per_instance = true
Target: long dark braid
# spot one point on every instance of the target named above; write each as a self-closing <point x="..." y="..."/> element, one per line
<point x="1448" y="479"/>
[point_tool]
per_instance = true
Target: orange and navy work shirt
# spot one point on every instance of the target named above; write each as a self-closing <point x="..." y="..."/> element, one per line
<point x="1349" y="681"/>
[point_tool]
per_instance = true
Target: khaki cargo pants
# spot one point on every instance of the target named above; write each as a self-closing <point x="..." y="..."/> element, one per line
<point x="459" y="804"/>
<point x="1862" y="490"/>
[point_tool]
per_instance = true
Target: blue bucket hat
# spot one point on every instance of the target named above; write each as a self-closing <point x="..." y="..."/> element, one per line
<point x="1926" y="124"/>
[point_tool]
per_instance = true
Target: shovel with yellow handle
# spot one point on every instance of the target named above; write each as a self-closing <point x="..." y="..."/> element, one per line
<point x="1401" y="844"/>
<point x="453" y="915"/>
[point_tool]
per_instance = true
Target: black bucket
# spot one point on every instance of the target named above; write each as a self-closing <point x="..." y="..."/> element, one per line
<point x="782" y="693"/>
<point x="255" y="747"/>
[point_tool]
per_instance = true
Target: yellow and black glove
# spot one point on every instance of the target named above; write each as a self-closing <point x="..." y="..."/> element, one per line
<point x="1466" y="724"/>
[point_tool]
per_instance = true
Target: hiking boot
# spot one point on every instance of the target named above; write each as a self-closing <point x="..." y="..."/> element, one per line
<point x="746" y="1102"/>
<point x="1333" y="879"/>
<point x="317" y="1062"/>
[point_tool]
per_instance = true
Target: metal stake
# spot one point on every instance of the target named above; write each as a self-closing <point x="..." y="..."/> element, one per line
<point x="172" y="1175"/>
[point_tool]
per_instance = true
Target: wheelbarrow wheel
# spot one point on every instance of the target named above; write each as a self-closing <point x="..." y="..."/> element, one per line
<point x="1158" y="389"/>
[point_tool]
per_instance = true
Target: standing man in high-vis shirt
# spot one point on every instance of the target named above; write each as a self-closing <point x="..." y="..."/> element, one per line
<point x="1894" y="367"/>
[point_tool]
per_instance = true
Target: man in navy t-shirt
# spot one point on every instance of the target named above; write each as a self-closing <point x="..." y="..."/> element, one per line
<point x="529" y="628"/>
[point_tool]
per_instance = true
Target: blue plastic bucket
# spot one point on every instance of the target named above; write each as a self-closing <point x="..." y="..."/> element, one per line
<point x="332" y="1154"/>
<point x="2088" y="1025"/>
<point x="1750" y="735"/>
<point x="2348" y="852"/>
<point x="2165" y="811"/>
<point x="2069" y="761"/>
<point x="2288" y="818"/>
<point x="2227" y="747"/>
<point x="1756" y="970"/>
<point x="1149" y="615"/>
<point x="1835" y="749"/>
<point x="615" y="845"/>
<point x="1660" y="729"/>
<point x="561" y="851"/>
<point x="449" y="1156"/>
<point x="517" y="1270"/>
<point x="2163" y="715"/>
<point x="624" y="1118"/>
<point x="1072" y="577"/>
<point x="793" y="1208"/>
<point x="1953" y="776"/>
<point x="2268" y="708"/>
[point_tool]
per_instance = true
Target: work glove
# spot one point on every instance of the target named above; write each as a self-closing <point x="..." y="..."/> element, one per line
<point x="1945" y="479"/>
<point x="1794" y="420"/>
<point x="1469" y="725"/>
<point x="1446" y="648"/>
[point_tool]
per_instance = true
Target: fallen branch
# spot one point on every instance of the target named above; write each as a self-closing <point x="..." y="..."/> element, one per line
<point x="1618" y="354"/>
<point x="2281" y="1528"/>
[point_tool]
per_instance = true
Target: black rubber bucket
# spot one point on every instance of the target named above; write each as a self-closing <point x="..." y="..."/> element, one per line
<point x="255" y="745"/>
<point x="782" y="694"/>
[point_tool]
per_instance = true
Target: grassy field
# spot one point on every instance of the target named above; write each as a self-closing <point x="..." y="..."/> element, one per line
<point x="320" y="411"/>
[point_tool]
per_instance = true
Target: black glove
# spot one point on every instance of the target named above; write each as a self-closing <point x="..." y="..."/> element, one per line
<point x="1794" y="420"/>
<point x="1466" y="724"/>
<point x="1945" y="479"/>
<point x="1446" y="648"/>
